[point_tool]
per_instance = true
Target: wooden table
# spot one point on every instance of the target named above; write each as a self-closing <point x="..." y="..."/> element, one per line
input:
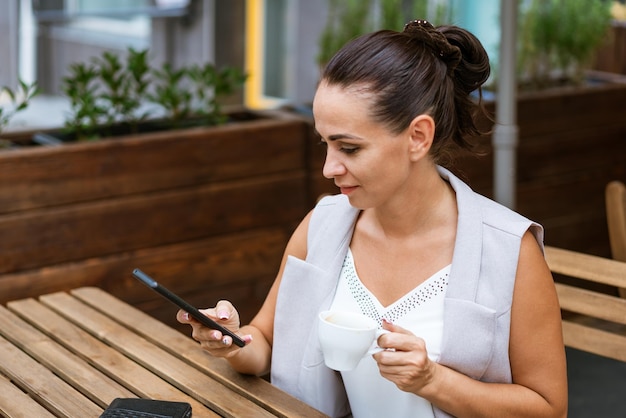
<point x="70" y="354"/>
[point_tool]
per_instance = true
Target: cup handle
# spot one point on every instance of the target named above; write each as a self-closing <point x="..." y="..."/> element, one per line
<point x="377" y="349"/>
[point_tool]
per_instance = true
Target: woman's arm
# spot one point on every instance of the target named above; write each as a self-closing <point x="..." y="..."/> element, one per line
<point x="255" y="357"/>
<point x="536" y="353"/>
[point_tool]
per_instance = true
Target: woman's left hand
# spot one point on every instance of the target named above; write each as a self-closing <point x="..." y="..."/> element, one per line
<point x="405" y="360"/>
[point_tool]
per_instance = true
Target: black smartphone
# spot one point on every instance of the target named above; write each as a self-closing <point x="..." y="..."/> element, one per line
<point x="182" y="304"/>
<point x="146" y="408"/>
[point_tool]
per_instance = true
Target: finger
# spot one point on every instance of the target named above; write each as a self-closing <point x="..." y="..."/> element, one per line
<point x="387" y="340"/>
<point x="389" y="326"/>
<point x="220" y="342"/>
<point x="209" y="312"/>
<point x="400" y="339"/>
<point x="186" y="318"/>
<point x="219" y="349"/>
<point x="203" y="334"/>
<point x="224" y="310"/>
<point x="183" y="317"/>
<point x="217" y="313"/>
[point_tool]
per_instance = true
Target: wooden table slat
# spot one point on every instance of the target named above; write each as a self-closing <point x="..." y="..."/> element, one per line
<point x="116" y="366"/>
<point x="69" y="354"/>
<point x="259" y="390"/>
<point x="172" y="369"/>
<point x="41" y="384"/>
<point x="16" y="404"/>
<point x="74" y="370"/>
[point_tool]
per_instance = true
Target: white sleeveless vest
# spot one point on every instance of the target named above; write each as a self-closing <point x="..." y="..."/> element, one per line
<point x="476" y="310"/>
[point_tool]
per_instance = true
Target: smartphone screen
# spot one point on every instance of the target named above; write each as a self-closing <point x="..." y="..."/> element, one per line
<point x="182" y="304"/>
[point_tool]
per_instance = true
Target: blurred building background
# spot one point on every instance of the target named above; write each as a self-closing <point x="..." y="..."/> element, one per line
<point x="275" y="40"/>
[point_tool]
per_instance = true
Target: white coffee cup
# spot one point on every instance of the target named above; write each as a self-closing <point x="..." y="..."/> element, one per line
<point x="346" y="337"/>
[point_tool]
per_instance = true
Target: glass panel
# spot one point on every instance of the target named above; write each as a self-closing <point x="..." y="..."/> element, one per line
<point x="274" y="59"/>
<point x="50" y="10"/>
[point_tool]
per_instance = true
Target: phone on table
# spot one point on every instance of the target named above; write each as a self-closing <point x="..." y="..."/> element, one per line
<point x="184" y="305"/>
<point x="146" y="408"/>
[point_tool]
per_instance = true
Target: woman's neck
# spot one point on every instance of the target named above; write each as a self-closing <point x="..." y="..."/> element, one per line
<point x="426" y="204"/>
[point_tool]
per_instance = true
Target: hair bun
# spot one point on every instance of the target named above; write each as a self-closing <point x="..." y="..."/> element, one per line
<point x="473" y="66"/>
<point x="424" y="31"/>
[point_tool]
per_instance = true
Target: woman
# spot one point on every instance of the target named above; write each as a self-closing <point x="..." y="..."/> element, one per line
<point x="458" y="280"/>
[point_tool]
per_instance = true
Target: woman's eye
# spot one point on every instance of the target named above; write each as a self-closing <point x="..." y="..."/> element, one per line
<point x="349" y="149"/>
<point x="345" y="148"/>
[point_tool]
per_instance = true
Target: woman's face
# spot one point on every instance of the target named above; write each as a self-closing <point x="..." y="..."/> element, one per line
<point x="367" y="162"/>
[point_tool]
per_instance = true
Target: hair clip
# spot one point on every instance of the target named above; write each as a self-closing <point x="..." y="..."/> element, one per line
<point x="419" y="22"/>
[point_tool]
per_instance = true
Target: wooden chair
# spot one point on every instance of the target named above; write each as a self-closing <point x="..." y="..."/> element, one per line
<point x="615" y="197"/>
<point x="593" y="320"/>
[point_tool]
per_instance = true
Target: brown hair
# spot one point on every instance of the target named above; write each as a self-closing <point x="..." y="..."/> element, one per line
<point x="420" y="70"/>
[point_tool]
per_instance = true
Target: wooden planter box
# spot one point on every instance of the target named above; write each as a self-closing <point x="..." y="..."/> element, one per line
<point x="206" y="211"/>
<point x="611" y="56"/>
<point x="572" y="142"/>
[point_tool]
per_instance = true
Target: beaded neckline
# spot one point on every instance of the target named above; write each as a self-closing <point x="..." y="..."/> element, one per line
<point x="425" y="291"/>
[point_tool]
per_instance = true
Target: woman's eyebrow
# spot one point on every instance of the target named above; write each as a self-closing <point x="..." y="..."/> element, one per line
<point x="342" y="136"/>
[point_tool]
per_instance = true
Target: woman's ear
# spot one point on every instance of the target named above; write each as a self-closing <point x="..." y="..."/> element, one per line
<point x="422" y="133"/>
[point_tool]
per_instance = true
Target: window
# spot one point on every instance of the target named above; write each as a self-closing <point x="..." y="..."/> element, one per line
<point x="55" y="10"/>
<point x="68" y="31"/>
<point x="282" y="42"/>
<point x="265" y="53"/>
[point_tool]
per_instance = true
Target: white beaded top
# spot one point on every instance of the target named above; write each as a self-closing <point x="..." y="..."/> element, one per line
<point x="419" y="311"/>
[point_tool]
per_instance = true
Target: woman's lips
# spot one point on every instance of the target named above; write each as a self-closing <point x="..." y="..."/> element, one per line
<point x="347" y="189"/>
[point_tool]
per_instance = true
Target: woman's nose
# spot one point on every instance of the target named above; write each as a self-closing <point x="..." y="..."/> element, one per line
<point x="333" y="166"/>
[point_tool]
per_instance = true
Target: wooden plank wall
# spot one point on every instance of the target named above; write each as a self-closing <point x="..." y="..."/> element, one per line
<point x="210" y="219"/>
<point x="611" y="56"/>
<point x="207" y="217"/>
<point x="571" y="145"/>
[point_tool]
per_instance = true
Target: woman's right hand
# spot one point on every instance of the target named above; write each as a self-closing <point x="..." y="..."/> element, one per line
<point x="212" y="340"/>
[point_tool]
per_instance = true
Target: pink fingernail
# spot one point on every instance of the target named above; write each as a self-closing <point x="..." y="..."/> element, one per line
<point x="222" y="315"/>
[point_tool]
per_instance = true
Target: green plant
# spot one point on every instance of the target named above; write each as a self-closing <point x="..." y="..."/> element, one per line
<point x="105" y="93"/>
<point x="558" y="39"/>
<point x="174" y="96"/>
<point x="124" y="87"/>
<point x="81" y="89"/>
<point x="19" y="100"/>
<point x="392" y="16"/>
<point x="348" y="19"/>
<point x="195" y="92"/>
<point x="108" y="93"/>
<point x="210" y="84"/>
